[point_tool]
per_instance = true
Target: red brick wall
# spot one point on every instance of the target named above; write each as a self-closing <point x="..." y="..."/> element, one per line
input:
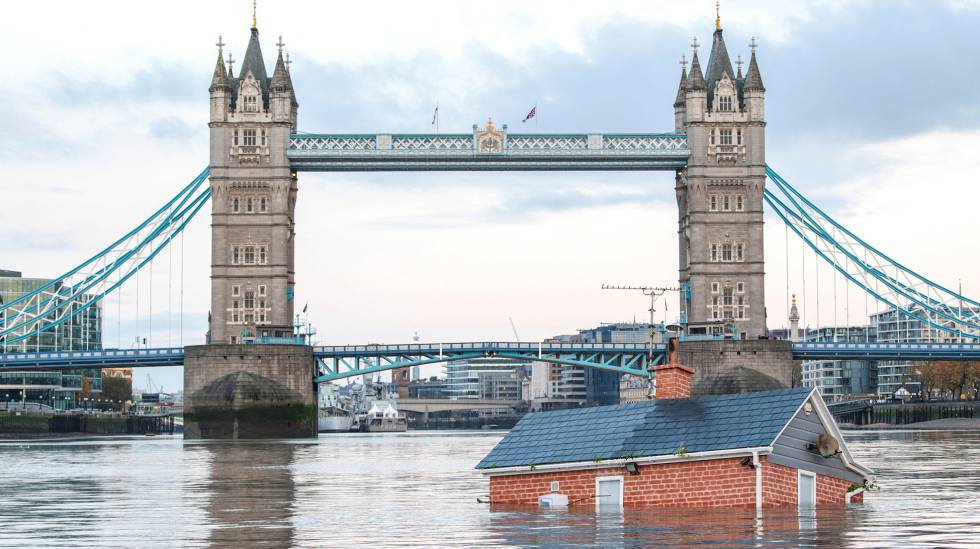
<point x="779" y="487"/>
<point x="673" y="381"/>
<point x="706" y="483"/>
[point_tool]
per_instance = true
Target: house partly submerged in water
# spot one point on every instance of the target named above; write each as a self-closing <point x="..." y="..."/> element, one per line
<point x="763" y="449"/>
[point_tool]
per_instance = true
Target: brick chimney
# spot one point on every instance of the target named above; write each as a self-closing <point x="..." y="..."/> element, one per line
<point x="673" y="381"/>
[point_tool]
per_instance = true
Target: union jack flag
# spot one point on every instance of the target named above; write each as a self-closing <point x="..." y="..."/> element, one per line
<point x="531" y="114"/>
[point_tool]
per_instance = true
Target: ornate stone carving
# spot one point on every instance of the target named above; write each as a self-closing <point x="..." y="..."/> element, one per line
<point x="490" y="139"/>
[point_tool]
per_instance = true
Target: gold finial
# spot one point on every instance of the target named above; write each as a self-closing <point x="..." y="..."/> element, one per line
<point x="794" y="299"/>
<point x="718" y="14"/>
<point x="254" y="9"/>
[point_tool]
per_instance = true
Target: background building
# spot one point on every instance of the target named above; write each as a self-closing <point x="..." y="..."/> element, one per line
<point x="485" y="378"/>
<point x="893" y="326"/>
<point x="838" y="378"/>
<point x="58" y="389"/>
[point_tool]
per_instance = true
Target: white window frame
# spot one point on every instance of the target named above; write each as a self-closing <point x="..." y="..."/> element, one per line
<point x="236" y="290"/>
<point x="739" y="202"/>
<point x="713" y="203"/>
<point x="740" y="287"/>
<point x="618" y="478"/>
<point x="715" y="287"/>
<point x="799" y="483"/>
<point x="725" y="136"/>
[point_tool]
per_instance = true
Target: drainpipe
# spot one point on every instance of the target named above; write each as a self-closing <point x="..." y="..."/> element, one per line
<point x="758" y="480"/>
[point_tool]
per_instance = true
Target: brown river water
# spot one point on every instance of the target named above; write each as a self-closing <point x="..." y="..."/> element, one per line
<point x="419" y="489"/>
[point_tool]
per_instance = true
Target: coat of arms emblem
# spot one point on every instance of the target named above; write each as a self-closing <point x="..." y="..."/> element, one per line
<point x="490" y="139"/>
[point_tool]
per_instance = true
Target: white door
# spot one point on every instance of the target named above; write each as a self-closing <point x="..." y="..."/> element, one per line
<point x="609" y="493"/>
<point x="807" y="489"/>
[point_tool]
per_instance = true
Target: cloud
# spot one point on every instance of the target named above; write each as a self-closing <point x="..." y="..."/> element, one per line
<point x="173" y="128"/>
<point x="170" y="82"/>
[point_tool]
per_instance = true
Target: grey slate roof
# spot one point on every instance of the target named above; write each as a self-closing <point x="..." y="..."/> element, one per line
<point x="718" y="63"/>
<point x="645" y="429"/>
<point x="253" y="61"/>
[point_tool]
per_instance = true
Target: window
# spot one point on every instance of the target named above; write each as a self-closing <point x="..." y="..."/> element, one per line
<point x="727" y="297"/>
<point x="235" y="138"/>
<point x="738" y="137"/>
<point x="249" y="318"/>
<point x="251" y="104"/>
<point x="261" y="255"/>
<point x="740" y="287"/>
<point x="234" y="315"/>
<point x="248" y="205"/>
<point x="726" y="203"/>
<point x="726" y="137"/>
<point x="726" y="252"/>
<point x="725" y="103"/>
<point x="262" y="291"/>
<point x="236" y="290"/>
<point x="713" y="202"/>
<point x="807" y="489"/>
<point x="262" y="204"/>
<point x="250" y="255"/>
<point x="249" y="299"/>
<point x="712" y="138"/>
<point x="714" y="287"/>
<point x="233" y="340"/>
<point x="249" y="137"/>
<point x="714" y="252"/>
<point x="235" y="255"/>
<point x="609" y="493"/>
<point x="739" y="202"/>
<point x="234" y="204"/>
<point x="263" y="137"/>
<point x="738" y="252"/>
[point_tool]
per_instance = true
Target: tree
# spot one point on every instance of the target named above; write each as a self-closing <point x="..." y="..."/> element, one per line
<point x="119" y="389"/>
<point x="950" y="379"/>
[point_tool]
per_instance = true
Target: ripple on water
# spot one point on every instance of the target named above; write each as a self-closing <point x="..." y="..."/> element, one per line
<point x="419" y="489"/>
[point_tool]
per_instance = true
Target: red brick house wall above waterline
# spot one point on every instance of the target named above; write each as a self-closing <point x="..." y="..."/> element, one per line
<point x="703" y="483"/>
<point x="764" y="449"/>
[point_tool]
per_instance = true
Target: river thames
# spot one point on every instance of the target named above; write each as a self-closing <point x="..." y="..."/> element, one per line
<point x="420" y="489"/>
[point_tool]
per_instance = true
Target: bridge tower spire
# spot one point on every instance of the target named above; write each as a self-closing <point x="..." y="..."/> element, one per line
<point x="719" y="197"/>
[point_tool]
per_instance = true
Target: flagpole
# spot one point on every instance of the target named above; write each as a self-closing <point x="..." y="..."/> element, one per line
<point x="535" y="117"/>
<point x="437" y="116"/>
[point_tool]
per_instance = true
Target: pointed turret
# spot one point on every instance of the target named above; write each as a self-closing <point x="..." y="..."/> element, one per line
<point x="220" y="78"/>
<point x="681" y="89"/>
<point x="282" y="97"/>
<point x="695" y="80"/>
<point x="753" y="79"/>
<point x="280" y="76"/>
<point x="255" y="64"/>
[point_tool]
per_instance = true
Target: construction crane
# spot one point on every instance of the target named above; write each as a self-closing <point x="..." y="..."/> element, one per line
<point x="514" y="328"/>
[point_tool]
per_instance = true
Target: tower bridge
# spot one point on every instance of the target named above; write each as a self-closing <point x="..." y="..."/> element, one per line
<point x="241" y="385"/>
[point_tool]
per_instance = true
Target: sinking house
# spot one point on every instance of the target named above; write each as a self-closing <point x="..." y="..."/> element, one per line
<point x="762" y="449"/>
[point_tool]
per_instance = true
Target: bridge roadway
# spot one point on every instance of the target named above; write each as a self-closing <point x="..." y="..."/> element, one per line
<point x="338" y="362"/>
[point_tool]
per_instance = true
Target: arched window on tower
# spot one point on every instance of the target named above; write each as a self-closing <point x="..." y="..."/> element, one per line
<point x="725" y="103"/>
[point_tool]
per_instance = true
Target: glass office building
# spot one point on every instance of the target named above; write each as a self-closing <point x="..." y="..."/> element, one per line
<point x="839" y="378"/>
<point x="50" y="388"/>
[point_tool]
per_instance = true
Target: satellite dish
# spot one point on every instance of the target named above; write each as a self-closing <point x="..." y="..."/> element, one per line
<point x="827" y="445"/>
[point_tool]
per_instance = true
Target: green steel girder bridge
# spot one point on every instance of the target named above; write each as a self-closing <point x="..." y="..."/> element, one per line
<point x="343" y="361"/>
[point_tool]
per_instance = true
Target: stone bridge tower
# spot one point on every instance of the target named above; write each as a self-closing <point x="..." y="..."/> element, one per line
<point x="719" y="195"/>
<point x="251" y="380"/>
<point x="253" y="199"/>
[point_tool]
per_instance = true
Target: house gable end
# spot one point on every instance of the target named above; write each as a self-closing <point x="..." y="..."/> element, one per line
<point x="790" y="447"/>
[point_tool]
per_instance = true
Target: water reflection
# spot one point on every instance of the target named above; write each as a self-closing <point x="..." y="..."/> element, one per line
<point x="251" y="494"/>
<point x="582" y="527"/>
<point x="420" y="490"/>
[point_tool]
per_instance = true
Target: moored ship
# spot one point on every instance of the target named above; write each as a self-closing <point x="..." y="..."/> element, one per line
<point x="333" y="414"/>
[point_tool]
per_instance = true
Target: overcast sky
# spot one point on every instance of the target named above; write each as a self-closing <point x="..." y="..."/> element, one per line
<point x="873" y="112"/>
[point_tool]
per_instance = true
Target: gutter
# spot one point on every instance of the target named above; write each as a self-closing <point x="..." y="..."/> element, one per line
<point x="757" y="465"/>
<point x="650" y="460"/>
